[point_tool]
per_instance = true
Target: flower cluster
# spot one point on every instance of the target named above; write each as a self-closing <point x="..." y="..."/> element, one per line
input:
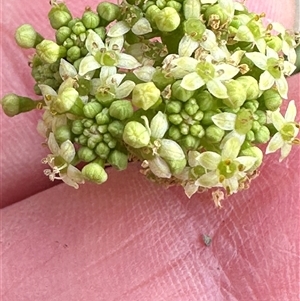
<point x="192" y="89"/>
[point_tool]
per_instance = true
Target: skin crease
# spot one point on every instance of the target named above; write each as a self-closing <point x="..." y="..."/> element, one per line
<point x="135" y="240"/>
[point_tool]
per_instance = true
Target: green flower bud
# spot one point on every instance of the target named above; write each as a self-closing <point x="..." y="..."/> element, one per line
<point x="121" y="109"/>
<point x="59" y="15"/>
<point x="93" y="141"/>
<point x="107" y="137"/>
<point x="191" y="9"/>
<point x="161" y="3"/>
<point x="102" y="150"/>
<point x="190" y="142"/>
<point x="251" y="105"/>
<point x="161" y="80"/>
<point x="102" y="128"/>
<point x="136" y="135"/>
<point x="206" y="120"/>
<point x="78" y="28"/>
<point x="49" y="51"/>
<point x="255" y="126"/>
<point x="103" y="117"/>
<point x="73" y="53"/>
<point x="68" y="101"/>
<point x="62" y="134"/>
<point x="244" y="121"/>
<point x="175" y="119"/>
<point x="198" y="115"/>
<point x="255" y="152"/>
<point x="68" y="43"/>
<point x="261" y="117"/>
<point x="77" y="127"/>
<point x="145" y="95"/>
<point x="176" y="5"/>
<point x="82" y="140"/>
<point x="236" y="94"/>
<point x="250" y="136"/>
<point x="86" y="154"/>
<point x="174" y="133"/>
<point x="95" y="173"/>
<point x="184" y="128"/>
<point x="176" y="166"/>
<point x="195" y="28"/>
<point x="118" y="160"/>
<point x="62" y="34"/>
<point x="116" y="128"/>
<point x="214" y="134"/>
<point x="27" y="37"/>
<point x="151" y="13"/>
<point x="205" y="101"/>
<point x="108" y="12"/>
<point x="250" y="84"/>
<point x="101" y="32"/>
<point x="181" y="93"/>
<point x="91" y="109"/>
<point x="262" y="135"/>
<point x="13" y="104"/>
<point x="87" y="123"/>
<point x="191" y="106"/>
<point x="272" y="99"/>
<point x="167" y="19"/>
<point x="90" y="19"/>
<point x="174" y="107"/>
<point x="215" y="12"/>
<point x="197" y="130"/>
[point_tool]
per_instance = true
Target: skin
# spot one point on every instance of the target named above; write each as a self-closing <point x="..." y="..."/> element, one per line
<point x="136" y="240"/>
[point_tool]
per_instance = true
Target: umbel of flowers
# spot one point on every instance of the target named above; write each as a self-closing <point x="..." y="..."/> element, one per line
<point x="191" y="88"/>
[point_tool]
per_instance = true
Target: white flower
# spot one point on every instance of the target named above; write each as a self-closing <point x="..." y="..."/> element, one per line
<point x="105" y="55"/>
<point x="60" y="162"/>
<point x="287" y="131"/>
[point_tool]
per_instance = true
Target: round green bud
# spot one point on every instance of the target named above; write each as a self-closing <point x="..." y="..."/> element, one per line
<point x="161" y="79"/>
<point x="107" y="137"/>
<point x="161" y="3"/>
<point x="174" y="133"/>
<point x="174" y="107"/>
<point x="68" y="43"/>
<point x="118" y="160"/>
<point x="180" y="93"/>
<point x="27" y="37"/>
<point x="198" y="115"/>
<point x="93" y="141"/>
<point x="251" y="105"/>
<point x="66" y="100"/>
<point x="167" y="19"/>
<point x="190" y="142"/>
<point x="108" y="12"/>
<point x="86" y="154"/>
<point x="87" y="123"/>
<point x="121" y="109"/>
<point x="90" y="19"/>
<point x="176" y="166"/>
<point x="272" y="99"/>
<point x="236" y="94"/>
<point x="145" y="95"/>
<point x="82" y="140"/>
<point x="262" y="135"/>
<point x="197" y="130"/>
<point x="102" y="128"/>
<point x="250" y="136"/>
<point x="62" y="34"/>
<point x="151" y="13"/>
<point x="73" y="53"/>
<point x="214" y="134"/>
<point x="49" y="51"/>
<point x="176" y="5"/>
<point x="260" y="116"/>
<point x="116" y="128"/>
<point x="102" y="150"/>
<point x="84" y="86"/>
<point x="59" y="15"/>
<point x="250" y="84"/>
<point x="255" y="126"/>
<point x="95" y="173"/>
<point x="136" y="135"/>
<point x="63" y="133"/>
<point x="184" y="128"/>
<point x="13" y="104"/>
<point x="206" y="120"/>
<point x="91" y="109"/>
<point x="101" y="32"/>
<point x="205" y="101"/>
<point x="191" y="106"/>
<point x="103" y="117"/>
<point x="78" y="28"/>
<point x="175" y="119"/>
<point x="215" y="10"/>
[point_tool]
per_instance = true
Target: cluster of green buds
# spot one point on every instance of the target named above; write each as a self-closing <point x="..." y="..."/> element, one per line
<point x="193" y="89"/>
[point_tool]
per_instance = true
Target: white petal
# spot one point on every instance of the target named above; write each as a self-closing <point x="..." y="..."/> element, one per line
<point x="144" y="73"/>
<point x="187" y="46"/>
<point x="231" y="149"/>
<point x="232" y="184"/>
<point x="291" y="112"/>
<point x="190" y="189"/>
<point x="216" y="88"/>
<point x="235" y="134"/>
<point x="159" y="125"/>
<point x="118" y="29"/>
<point x="159" y="167"/>
<point x="271" y="53"/>
<point x="285" y="150"/>
<point x="183" y="66"/>
<point x="282" y="86"/>
<point x="127" y="61"/>
<point x="244" y="34"/>
<point x="266" y="81"/>
<point x="124" y="89"/>
<point x="210" y="179"/>
<point x="66" y="69"/>
<point x="236" y="57"/>
<point x="246" y="161"/>
<point x="209" y="160"/>
<point x="277" y="120"/>
<point x="75" y="174"/>
<point x="114" y="80"/>
<point x="115" y="43"/>
<point x="67" y="151"/>
<point x="142" y="26"/>
<point x="93" y="42"/>
<point x="192" y="82"/>
<point x="106" y="72"/>
<point x="171" y="150"/>
<point x="53" y="145"/>
<point x="47" y="90"/>
<point x="259" y="59"/>
<point x="275" y="143"/>
<point x="261" y="45"/>
<point x="87" y="64"/>
<point x="225" y="121"/>
<point x="193" y="158"/>
<point x="226" y="71"/>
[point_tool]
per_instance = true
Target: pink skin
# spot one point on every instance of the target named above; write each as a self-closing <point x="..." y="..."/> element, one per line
<point x="130" y="239"/>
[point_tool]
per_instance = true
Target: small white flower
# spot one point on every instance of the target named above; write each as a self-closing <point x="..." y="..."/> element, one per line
<point x="287" y="131"/>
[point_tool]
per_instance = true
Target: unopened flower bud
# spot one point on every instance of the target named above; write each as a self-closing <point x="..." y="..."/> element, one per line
<point x="184" y="128"/>
<point x="94" y="172"/>
<point x="145" y="95"/>
<point x="118" y="160"/>
<point x="121" y="109"/>
<point x="176" y="166"/>
<point x="73" y="53"/>
<point x="175" y="119"/>
<point x="77" y="127"/>
<point x="59" y="15"/>
<point x="190" y="142"/>
<point x="27" y="37"/>
<point x="197" y="130"/>
<point x="160" y="79"/>
<point x="93" y="141"/>
<point x="13" y="104"/>
<point x="236" y="94"/>
<point x="103" y="117"/>
<point x="205" y="100"/>
<point x="250" y="136"/>
<point x="62" y="34"/>
<point x="251" y="105"/>
<point x="62" y="134"/>
<point x="102" y="150"/>
<point x="260" y="116"/>
<point x="167" y="19"/>
<point x="86" y="154"/>
<point x="191" y="106"/>
<point x="101" y="32"/>
<point x="250" y="84"/>
<point x="49" y="51"/>
<point x="272" y="99"/>
<point x="181" y="93"/>
<point x="255" y="126"/>
<point x="206" y="120"/>
<point x="255" y="152"/>
<point x="170" y="150"/>
<point x="173" y="107"/>
<point x="90" y="19"/>
<point x="78" y="28"/>
<point x="91" y="109"/>
<point x="108" y="12"/>
<point x="215" y="11"/>
<point x="136" y="135"/>
<point x="176" y="5"/>
<point x="262" y="135"/>
<point x="214" y="134"/>
<point x="151" y="13"/>
<point x="174" y="133"/>
<point x="116" y="128"/>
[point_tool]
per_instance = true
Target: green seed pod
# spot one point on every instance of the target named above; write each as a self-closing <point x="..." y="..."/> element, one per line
<point x="214" y="134"/>
<point x="62" y="34"/>
<point x="59" y="15"/>
<point x="174" y="4"/>
<point x="136" y="135"/>
<point x="102" y="150"/>
<point x="78" y="28"/>
<point x="13" y="104"/>
<point x="73" y="53"/>
<point x="145" y="95"/>
<point x="197" y="130"/>
<point x="85" y="154"/>
<point x="27" y="37"/>
<point x="118" y="160"/>
<point x="195" y="28"/>
<point x="272" y="99"/>
<point x="255" y="152"/>
<point x="167" y="19"/>
<point x="49" y="51"/>
<point x="173" y="107"/>
<point x="103" y="117"/>
<point x="175" y="119"/>
<point x="180" y="93"/>
<point x="190" y="142"/>
<point x="262" y="135"/>
<point x="191" y="9"/>
<point x="244" y="121"/>
<point x="237" y="94"/>
<point x="249" y="84"/>
<point x="62" y="134"/>
<point x="95" y="173"/>
<point x="184" y="128"/>
<point x="116" y="128"/>
<point x="121" y="109"/>
<point x="91" y="109"/>
<point x="191" y="106"/>
<point x="174" y="133"/>
<point x="90" y="19"/>
<point x="108" y="12"/>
